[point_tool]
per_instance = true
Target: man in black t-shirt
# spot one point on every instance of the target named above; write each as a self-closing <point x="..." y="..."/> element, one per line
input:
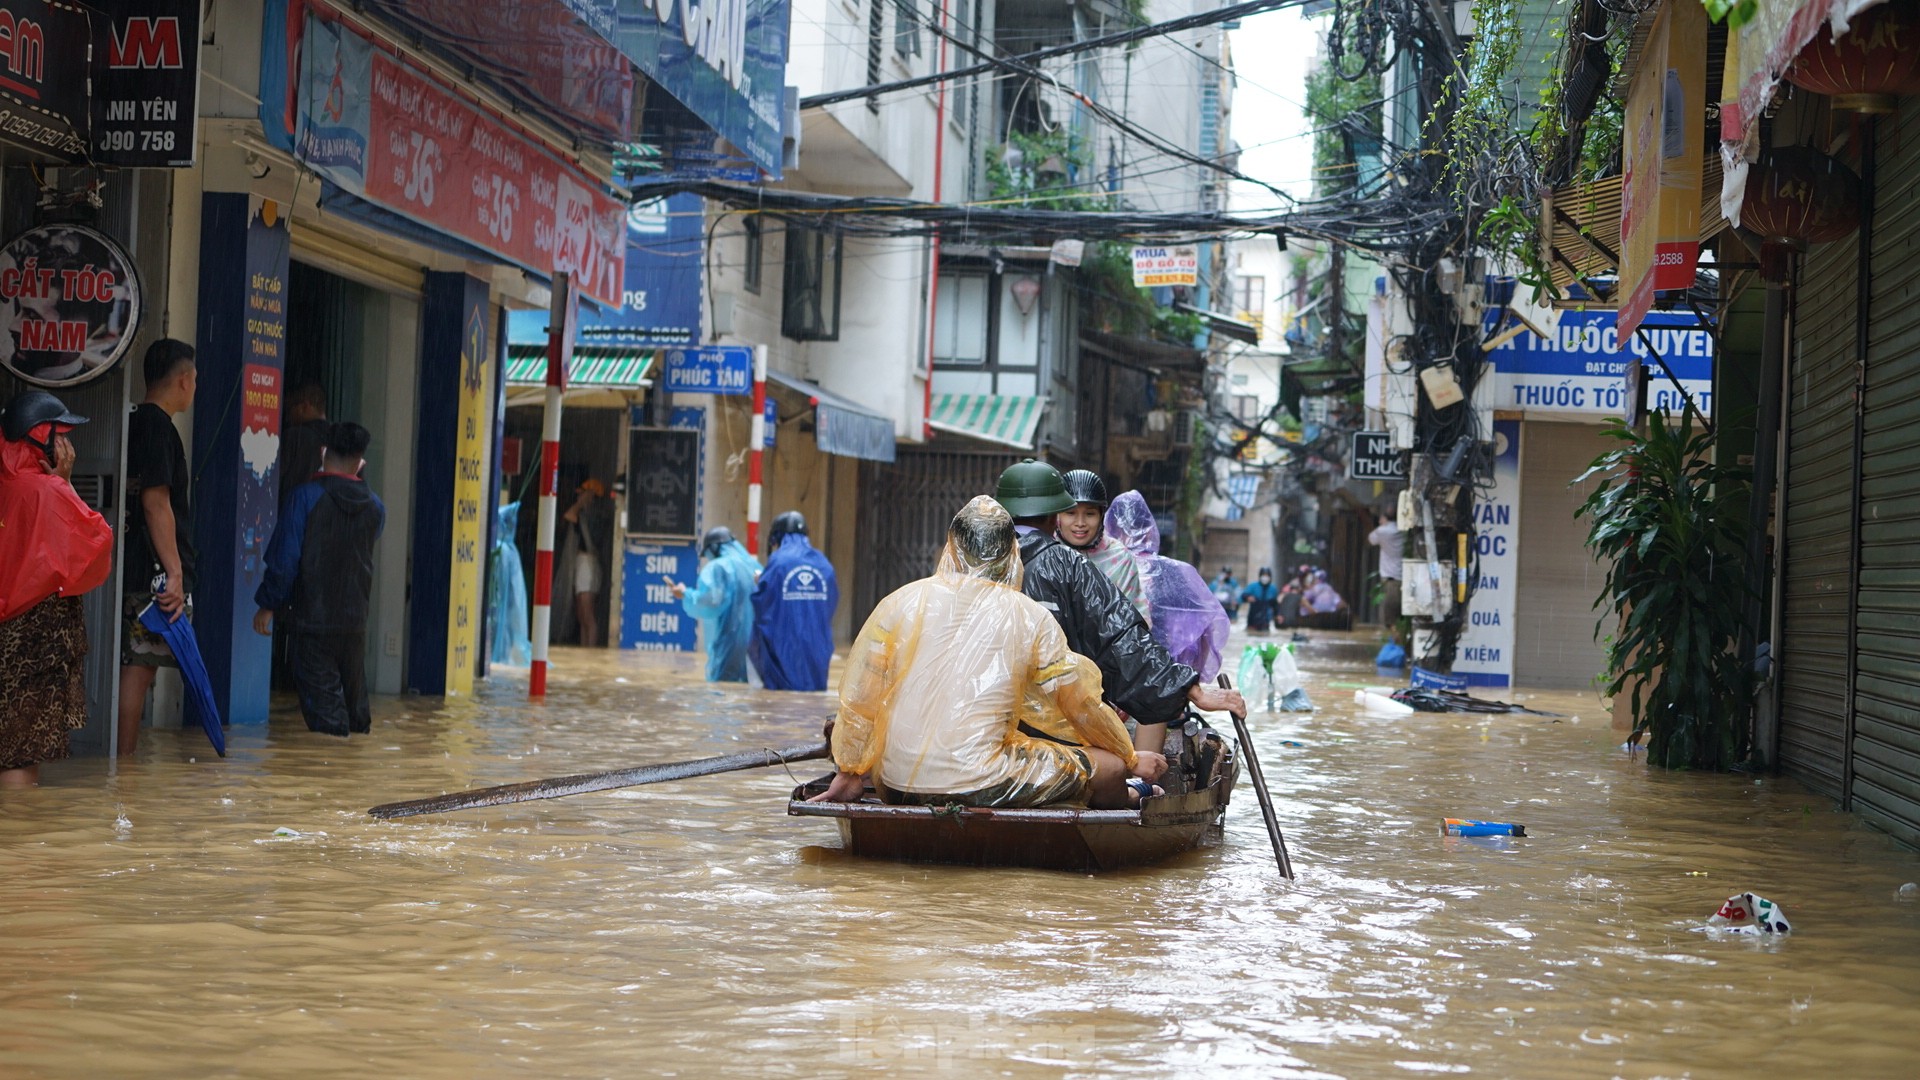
<point x="157" y="534"/>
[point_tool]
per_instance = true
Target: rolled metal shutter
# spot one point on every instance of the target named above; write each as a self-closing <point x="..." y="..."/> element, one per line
<point x="1817" y="555"/>
<point x="355" y="260"/>
<point x="914" y="498"/>
<point x="1884" y="759"/>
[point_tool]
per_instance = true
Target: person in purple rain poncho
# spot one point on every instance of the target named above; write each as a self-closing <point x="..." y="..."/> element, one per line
<point x="1187" y="620"/>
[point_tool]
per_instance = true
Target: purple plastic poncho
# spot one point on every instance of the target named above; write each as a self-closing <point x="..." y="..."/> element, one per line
<point x="1187" y="619"/>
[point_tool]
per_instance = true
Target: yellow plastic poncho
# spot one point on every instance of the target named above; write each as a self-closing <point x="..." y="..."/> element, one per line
<point x="944" y="672"/>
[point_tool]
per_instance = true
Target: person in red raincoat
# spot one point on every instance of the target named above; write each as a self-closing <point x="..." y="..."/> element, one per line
<point x="53" y="547"/>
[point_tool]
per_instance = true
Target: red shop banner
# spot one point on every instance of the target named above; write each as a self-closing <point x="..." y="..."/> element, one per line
<point x="440" y="160"/>
<point x="401" y="138"/>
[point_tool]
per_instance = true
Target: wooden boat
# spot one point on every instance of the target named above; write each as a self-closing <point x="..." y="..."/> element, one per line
<point x="1202" y="768"/>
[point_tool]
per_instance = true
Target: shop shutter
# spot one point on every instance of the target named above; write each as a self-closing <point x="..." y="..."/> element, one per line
<point x="913" y="500"/>
<point x="1554" y="643"/>
<point x="360" y="261"/>
<point x="1816" y="555"/>
<point x="1884" y="770"/>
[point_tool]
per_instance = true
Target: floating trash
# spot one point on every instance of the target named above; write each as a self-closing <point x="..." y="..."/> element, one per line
<point x="1469" y="827"/>
<point x="1379" y="703"/>
<point x="1268" y="674"/>
<point x="1745" y="913"/>
<point x="284" y="835"/>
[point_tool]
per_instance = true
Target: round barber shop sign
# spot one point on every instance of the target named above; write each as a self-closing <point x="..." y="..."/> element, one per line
<point x="69" y="305"/>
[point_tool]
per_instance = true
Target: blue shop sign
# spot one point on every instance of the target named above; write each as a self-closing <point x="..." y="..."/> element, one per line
<point x="1579" y="366"/>
<point x="651" y="619"/>
<point x="725" y="60"/>
<point x="660" y="301"/>
<point x="717" y="369"/>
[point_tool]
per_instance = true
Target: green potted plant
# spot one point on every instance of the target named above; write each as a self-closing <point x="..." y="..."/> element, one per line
<point x="1670" y="526"/>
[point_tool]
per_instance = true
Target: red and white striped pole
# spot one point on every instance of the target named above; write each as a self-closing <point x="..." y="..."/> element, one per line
<point x="756" y="447"/>
<point x="560" y="328"/>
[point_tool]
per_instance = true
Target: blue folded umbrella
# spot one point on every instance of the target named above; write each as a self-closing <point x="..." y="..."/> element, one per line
<point x="178" y="634"/>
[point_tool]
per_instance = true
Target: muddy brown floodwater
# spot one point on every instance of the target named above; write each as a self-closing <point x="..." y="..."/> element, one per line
<point x="158" y="923"/>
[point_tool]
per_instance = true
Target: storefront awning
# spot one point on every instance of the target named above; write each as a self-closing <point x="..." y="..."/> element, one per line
<point x="839" y="426"/>
<point x="604" y="367"/>
<point x="1581" y="227"/>
<point x="1002" y="418"/>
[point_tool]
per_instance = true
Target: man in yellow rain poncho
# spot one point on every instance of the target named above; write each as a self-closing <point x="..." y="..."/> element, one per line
<point x="946" y="670"/>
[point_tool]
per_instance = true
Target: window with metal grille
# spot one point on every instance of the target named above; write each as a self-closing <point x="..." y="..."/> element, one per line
<point x="810" y="309"/>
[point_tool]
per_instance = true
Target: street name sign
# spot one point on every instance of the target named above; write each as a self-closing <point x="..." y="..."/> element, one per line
<point x="1374" y="458"/>
<point x="717" y="369"/>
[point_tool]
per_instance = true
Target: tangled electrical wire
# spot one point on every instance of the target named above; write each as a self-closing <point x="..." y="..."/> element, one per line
<point x="985" y="223"/>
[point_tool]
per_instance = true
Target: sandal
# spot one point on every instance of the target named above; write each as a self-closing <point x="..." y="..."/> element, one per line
<point x="1142" y="790"/>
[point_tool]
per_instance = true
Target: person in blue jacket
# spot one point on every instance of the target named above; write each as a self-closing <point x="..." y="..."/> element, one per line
<point x="723" y="602"/>
<point x="793" y="610"/>
<point x="320" y="578"/>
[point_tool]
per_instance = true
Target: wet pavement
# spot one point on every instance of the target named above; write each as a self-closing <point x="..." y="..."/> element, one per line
<point x="186" y="916"/>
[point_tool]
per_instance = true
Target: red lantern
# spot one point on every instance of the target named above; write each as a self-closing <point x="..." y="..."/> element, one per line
<point x="1797" y="196"/>
<point x="1873" y="63"/>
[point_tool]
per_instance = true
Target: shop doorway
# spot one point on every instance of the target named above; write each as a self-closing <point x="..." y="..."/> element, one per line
<point x="590" y="454"/>
<point x="356" y="345"/>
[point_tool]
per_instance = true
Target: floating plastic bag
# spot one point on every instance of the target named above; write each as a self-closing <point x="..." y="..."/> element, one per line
<point x="1391" y="656"/>
<point x="1268" y="674"/>
<point x="1745" y="913"/>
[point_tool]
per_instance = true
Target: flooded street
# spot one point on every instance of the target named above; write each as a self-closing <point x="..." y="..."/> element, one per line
<point x="245" y="917"/>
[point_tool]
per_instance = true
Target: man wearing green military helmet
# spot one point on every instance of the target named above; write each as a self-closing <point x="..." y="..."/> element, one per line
<point x="1099" y="621"/>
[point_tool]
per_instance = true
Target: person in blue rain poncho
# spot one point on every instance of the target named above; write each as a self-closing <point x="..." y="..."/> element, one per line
<point x="723" y="602"/>
<point x="793" y="610"/>
<point x="507" y="593"/>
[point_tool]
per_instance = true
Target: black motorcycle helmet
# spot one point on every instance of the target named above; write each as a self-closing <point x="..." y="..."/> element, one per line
<point x="28" y="410"/>
<point x="1085" y="486"/>
<point x="787" y="524"/>
<point x="717" y="537"/>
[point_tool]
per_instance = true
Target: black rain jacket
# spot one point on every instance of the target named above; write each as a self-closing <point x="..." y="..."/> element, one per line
<point x="1102" y="625"/>
<point x="320" y="561"/>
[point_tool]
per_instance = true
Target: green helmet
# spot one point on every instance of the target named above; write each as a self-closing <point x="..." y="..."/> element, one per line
<point x="1032" y="489"/>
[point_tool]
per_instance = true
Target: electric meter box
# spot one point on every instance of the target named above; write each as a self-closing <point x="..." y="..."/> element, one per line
<point x="1427" y="590"/>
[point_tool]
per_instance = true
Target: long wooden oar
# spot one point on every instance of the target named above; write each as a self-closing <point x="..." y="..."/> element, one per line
<point x="1260" y="788"/>
<point x="579" y="785"/>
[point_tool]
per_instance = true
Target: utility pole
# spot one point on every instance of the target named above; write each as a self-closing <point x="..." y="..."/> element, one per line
<point x="561" y="323"/>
